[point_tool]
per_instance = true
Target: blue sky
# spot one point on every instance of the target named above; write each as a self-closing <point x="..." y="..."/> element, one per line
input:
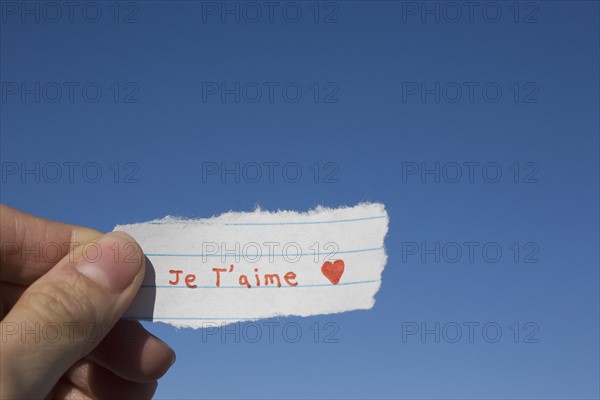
<point x="477" y="128"/>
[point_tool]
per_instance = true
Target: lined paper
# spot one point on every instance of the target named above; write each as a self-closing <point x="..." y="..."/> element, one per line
<point x="244" y="266"/>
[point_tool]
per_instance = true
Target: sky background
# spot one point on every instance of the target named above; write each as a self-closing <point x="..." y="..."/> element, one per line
<point x="384" y="97"/>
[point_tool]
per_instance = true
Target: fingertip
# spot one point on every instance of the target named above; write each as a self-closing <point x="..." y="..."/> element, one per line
<point x="115" y="261"/>
<point x="157" y="358"/>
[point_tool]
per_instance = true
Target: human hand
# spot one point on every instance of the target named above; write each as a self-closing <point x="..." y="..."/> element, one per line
<point x="63" y="289"/>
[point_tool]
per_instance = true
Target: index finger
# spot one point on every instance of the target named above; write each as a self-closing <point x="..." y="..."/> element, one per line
<point x="30" y="246"/>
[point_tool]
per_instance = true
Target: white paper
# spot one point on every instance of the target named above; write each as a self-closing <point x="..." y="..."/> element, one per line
<point x="326" y="261"/>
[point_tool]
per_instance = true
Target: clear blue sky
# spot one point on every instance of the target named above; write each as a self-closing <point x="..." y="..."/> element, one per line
<point x="388" y="94"/>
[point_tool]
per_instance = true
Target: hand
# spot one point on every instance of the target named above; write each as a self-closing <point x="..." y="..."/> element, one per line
<point x="63" y="289"/>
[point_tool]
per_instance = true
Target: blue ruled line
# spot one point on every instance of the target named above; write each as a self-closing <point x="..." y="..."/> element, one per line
<point x="259" y="287"/>
<point x="253" y="255"/>
<point x="152" y="318"/>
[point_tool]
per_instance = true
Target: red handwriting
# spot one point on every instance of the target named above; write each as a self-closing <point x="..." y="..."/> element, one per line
<point x="257" y="279"/>
<point x="189" y="278"/>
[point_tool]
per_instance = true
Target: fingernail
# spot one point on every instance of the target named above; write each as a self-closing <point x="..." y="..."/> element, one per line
<point x="111" y="262"/>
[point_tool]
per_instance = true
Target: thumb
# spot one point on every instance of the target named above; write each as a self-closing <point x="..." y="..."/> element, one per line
<point x="63" y="315"/>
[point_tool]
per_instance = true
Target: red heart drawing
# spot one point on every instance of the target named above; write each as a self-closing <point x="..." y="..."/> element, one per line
<point x="333" y="270"/>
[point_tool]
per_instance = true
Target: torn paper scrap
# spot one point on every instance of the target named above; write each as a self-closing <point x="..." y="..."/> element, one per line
<point x="243" y="266"/>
